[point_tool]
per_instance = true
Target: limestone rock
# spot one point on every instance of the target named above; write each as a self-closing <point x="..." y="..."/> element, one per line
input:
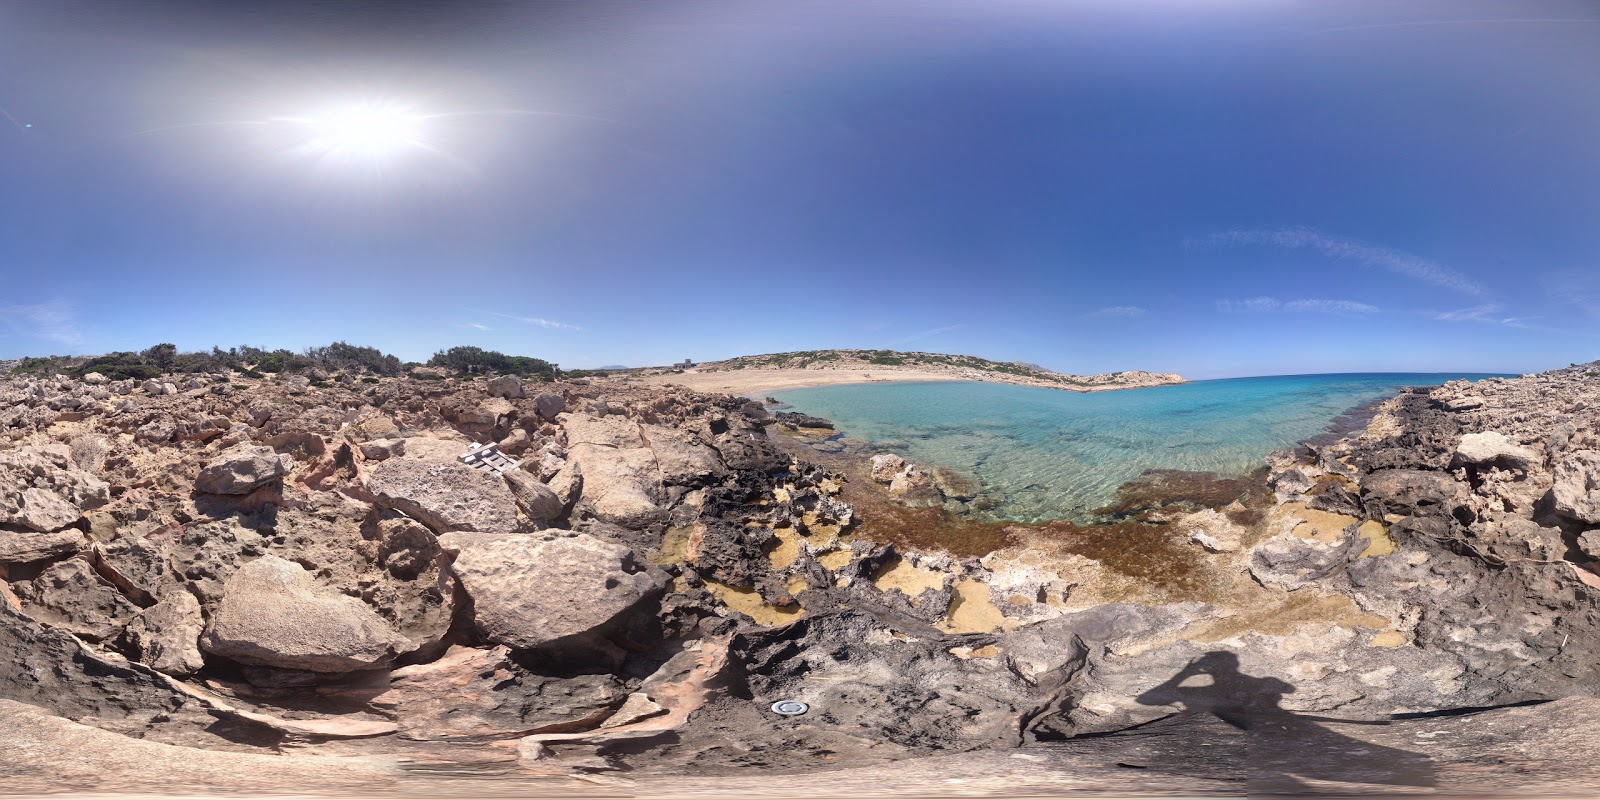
<point x="484" y="694"/>
<point x="901" y="687"/>
<point x="887" y="465"/>
<point x="70" y="596"/>
<point x="1294" y="562"/>
<point x="274" y="614"/>
<point x="620" y="486"/>
<point x="22" y="548"/>
<point x="40" y="489"/>
<point x="549" y="404"/>
<point x="748" y="449"/>
<point x="535" y="499"/>
<point x="95" y="379"/>
<point x="531" y="590"/>
<point x="683" y="459"/>
<point x="242" y="470"/>
<point x="376" y="427"/>
<point x="166" y="635"/>
<point x="508" y="386"/>
<point x="567" y="483"/>
<point x="89" y="452"/>
<point x="1577" y="486"/>
<point x="609" y="431"/>
<point x="1410" y="491"/>
<point x="444" y="495"/>
<point x="1492" y="448"/>
<point x="380" y="449"/>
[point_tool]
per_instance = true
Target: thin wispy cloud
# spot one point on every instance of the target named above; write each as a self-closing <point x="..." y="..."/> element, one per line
<point x="539" y="322"/>
<point x="929" y="333"/>
<point x="1116" y="311"/>
<point x="1363" y="253"/>
<point x="1490" y="314"/>
<point x="1330" y="307"/>
<point x="477" y="326"/>
<point x="1580" y="289"/>
<point x="1272" y="305"/>
<point x="52" y="322"/>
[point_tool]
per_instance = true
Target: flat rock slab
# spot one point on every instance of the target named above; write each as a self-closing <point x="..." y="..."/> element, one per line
<point x="483" y="694"/>
<point x="611" y="431"/>
<point x="274" y="615"/>
<point x="21" y="548"/>
<point x="444" y="495"/>
<point x="530" y="590"/>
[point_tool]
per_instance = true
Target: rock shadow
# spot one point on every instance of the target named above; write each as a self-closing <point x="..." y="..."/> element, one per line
<point x="1285" y="749"/>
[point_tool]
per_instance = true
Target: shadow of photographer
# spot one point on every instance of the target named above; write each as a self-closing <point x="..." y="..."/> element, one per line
<point x="1285" y="747"/>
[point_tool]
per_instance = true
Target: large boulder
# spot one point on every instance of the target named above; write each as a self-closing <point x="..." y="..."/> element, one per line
<point x="41" y="490"/>
<point x="1492" y="448"/>
<point x="444" y="495"/>
<point x="242" y="470"/>
<point x="273" y="614"/>
<point x="533" y="590"/>
<point x="549" y="404"/>
<point x="1577" y="487"/>
<point x="620" y="485"/>
<point x="509" y="386"/>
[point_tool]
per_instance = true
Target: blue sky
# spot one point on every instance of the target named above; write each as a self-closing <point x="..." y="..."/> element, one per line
<point x="1211" y="188"/>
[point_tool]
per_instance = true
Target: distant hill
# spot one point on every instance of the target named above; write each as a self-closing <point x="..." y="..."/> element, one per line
<point x="971" y="367"/>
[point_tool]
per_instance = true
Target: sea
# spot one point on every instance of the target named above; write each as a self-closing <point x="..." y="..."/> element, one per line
<point x="1046" y="454"/>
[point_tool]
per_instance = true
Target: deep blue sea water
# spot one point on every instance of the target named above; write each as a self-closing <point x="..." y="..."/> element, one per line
<point x="1049" y="454"/>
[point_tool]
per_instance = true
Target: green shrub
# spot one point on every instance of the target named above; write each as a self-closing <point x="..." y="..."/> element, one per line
<point x="469" y="360"/>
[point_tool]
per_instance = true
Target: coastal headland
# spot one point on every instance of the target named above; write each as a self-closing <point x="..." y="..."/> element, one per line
<point x="754" y="375"/>
<point x="314" y="580"/>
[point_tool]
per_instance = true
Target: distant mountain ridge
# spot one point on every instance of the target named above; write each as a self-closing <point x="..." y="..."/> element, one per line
<point x="965" y="366"/>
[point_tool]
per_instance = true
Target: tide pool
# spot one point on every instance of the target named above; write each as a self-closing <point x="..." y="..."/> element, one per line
<point x="1048" y="454"/>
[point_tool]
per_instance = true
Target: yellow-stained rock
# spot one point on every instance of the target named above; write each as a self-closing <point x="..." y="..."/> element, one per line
<point x="907" y="577"/>
<point x="748" y="601"/>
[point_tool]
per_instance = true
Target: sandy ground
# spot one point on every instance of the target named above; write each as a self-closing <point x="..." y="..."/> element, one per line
<point x="757" y="382"/>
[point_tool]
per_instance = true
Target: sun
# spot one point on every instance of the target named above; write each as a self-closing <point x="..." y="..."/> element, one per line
<point x="371" y="131"/>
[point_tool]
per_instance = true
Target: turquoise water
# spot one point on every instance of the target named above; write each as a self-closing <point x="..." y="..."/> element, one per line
<point x="1049" y="454"/>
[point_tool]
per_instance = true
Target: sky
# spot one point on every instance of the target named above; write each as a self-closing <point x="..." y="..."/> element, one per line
<point x="1210" y="187"/>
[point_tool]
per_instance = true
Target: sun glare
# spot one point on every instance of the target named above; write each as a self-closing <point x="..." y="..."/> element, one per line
<point x="368" y="131"/>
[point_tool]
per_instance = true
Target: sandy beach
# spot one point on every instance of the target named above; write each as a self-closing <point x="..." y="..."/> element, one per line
<point x="757" y="382"/>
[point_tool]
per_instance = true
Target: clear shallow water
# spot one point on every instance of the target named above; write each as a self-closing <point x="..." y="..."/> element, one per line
<point x="1048" y="454"/>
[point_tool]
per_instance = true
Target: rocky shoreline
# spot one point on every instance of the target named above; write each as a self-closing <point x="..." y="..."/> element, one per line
<point x="264" y="569"/>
